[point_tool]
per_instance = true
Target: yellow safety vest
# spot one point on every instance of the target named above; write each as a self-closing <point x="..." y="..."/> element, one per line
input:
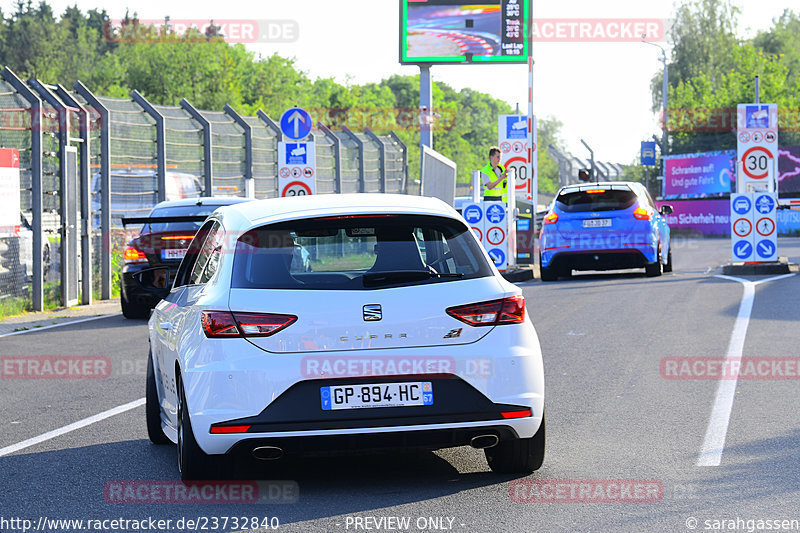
<point x="498" y="192"/>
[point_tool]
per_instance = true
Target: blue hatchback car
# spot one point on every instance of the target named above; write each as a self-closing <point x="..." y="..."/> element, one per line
<point x="604" y="226"/>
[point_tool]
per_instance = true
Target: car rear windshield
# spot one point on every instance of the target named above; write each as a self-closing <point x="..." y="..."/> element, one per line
<point x="178" y="211"/>
<point x="595" y="200"/>
<point x="357" y="253"/>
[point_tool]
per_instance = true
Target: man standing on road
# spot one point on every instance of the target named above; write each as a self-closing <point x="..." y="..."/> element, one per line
<point x="493" y="176"/>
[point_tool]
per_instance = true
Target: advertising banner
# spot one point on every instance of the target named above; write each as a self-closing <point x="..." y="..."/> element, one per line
<point x="702" y="175"/>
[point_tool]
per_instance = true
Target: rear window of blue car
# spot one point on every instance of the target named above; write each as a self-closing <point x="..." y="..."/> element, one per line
<point x="595" y="200"/>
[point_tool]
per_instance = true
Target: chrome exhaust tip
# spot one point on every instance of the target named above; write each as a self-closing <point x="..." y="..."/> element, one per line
<point x="267" y="453"/>
<point x="484" y="441"/>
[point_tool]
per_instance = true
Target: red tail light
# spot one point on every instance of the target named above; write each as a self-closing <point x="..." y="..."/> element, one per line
<point x="551" y="218"/>
<point x="229" y="429"/>
<point x="517" y="414"/>
<point x="133" y="255"/>
<point x="225" y="324"/>
<point x="492" y="313"/>
<point x="642" y="214"/>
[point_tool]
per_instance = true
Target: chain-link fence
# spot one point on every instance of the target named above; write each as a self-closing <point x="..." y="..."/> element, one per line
<point x="139" y="154"/>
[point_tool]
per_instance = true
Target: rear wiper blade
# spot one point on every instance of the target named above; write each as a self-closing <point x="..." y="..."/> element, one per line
<point x="407" y="275"/>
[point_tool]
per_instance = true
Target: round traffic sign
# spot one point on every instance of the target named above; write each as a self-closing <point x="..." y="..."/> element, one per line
<point x="742" y="249"/>
<point x="742" y="227"/>
<point x="473" y="214"/>
<point x="765" y="249"/>
<point x="518" y="170"/>
<point x="285" y="172"/>
<point x="296" y="123"/>
<point x="764" y="204"/>
<point x="498" y="256"/>
<point x="478" y="233"/>
<point x="505" y="147"/>
<point x="495" y="235"/>
<point x="741" y="205"/>
<point x="765" y="226"/>
<point x="296" y="188"/>
<point x="308" y="172"/>
<point x="755" y="162"/>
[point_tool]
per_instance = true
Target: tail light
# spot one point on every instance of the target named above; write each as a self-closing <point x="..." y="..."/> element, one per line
<point x="551" y="218"/>
<point x="134" y="255"/>
<point x="642" y="214"/>
<point x="220" y="324"/>
<point x="492" y="313"/>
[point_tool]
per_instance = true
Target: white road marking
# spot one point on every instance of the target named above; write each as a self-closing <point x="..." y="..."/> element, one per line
<point x="31" y="330"/>
<point x="71" y="427"/>
<point x="714" y="442"/>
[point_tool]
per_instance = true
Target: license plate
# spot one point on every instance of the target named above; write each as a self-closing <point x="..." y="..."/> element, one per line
<point x="173" y="254"/>
<point x="597" y="223"/>
<point x="376" y="395"/>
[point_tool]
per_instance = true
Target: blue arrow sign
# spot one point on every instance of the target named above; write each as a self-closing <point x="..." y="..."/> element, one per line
<point x="296" y="123"/>
<point x="765" y="204"/>
<point x="765" y="249"/>
<point x="742" y="249"/>
<point x="498" y="256"/>
<point x="741" y="205"/>
<point x="473" y="214"/>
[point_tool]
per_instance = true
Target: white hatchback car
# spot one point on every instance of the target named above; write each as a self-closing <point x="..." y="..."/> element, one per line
<point x="400" y="334"/>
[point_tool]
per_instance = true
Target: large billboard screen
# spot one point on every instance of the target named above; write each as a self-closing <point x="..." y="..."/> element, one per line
<point x="458" y="31"/>
<point x="789" y="170"/>
<point x="704" y="175"/>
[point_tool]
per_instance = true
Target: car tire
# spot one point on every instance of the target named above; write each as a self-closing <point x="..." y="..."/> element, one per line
<point x="193" y="463"/>
<point x="132" y="310"/>
<point x="668" y="266"/>
<point x="518" y="456"/>
<point x="546" y="273"/>
<point x="152" y="407"/>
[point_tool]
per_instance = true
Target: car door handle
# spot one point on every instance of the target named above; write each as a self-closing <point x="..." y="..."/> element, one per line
<point x="165" y="326"/>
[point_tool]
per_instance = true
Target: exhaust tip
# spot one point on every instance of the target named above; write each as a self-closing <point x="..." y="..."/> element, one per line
<point x="484" y="441"/>
<point x="267" y="453"/>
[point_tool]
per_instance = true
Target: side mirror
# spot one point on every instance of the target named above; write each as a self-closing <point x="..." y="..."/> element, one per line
<point x="154" y="280"/>
<point x="665" y="209"/>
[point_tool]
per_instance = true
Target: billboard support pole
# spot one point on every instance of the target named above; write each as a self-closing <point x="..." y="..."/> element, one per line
<point x="425" y="107"/>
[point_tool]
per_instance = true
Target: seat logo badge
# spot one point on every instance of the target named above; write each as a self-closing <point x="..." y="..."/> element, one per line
<point x="372" y="312"/>
<point x="453" y="333"/>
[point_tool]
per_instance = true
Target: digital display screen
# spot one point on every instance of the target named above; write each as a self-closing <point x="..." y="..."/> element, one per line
<point x="702" y="175"/>
<point x="455" y="31"/>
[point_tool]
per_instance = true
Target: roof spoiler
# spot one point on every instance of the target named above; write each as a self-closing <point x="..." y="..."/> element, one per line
<point x="154" y="220"/>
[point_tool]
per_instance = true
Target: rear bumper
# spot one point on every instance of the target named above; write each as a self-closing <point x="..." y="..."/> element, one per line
<point x="431" y="439"/>
<point x="242" y="385"/>
<point x="598" y="260"/>
<point x="598" y="251"/>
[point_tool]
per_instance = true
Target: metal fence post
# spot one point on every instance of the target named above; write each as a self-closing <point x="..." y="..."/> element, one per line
<point x="69" y="243"/>
<point x="396" y="139"/>
<point x="105" y="185"/>
<point x="208" y="175"/>
<point x="248" y="150"/>
<point x="84" y="154"/>
<point x="271" y="124"/>
<point x="381" y="155"/>
<point x="37" y="300"/>
<point x="161" y="143"/>
<point x="362" y="186"/>
<point x="337" y="155"/>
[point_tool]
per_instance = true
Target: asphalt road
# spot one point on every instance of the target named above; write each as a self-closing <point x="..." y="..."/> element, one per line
<point x="613" y="416"/>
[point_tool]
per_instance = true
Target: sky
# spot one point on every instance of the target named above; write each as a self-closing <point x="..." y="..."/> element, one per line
<point x="599" y="91"/>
